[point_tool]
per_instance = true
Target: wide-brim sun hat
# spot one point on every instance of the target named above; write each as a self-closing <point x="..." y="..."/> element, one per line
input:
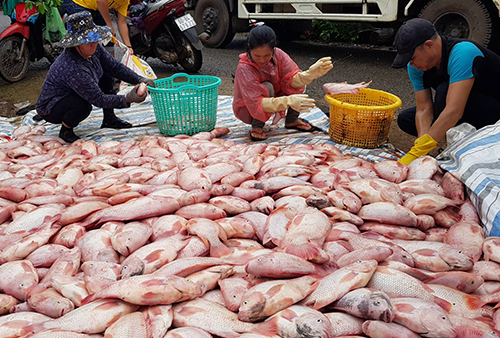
<point x="82" y="30"/>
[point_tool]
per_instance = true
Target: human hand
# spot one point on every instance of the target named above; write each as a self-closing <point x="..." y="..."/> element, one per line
<point x="321" y="67"/>
<point x="300" y="102"/>
<point x="423" y="145"/>
<point x="135" y="96"/>
<point x="149" y="82"/>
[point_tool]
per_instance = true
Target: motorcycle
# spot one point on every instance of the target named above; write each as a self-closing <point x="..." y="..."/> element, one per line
<point x="164" y="30"/>
<point x="24" y="41"/>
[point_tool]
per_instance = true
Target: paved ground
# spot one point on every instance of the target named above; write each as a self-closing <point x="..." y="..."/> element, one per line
<point x="353" y="63"/>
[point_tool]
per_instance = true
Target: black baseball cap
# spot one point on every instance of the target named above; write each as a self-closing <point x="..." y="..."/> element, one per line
<point x="410" y="35"/>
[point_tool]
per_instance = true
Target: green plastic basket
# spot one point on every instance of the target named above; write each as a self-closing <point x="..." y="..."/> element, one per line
<point x="185" y="107"/>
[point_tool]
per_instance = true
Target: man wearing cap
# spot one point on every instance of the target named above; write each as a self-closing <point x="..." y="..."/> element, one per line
<point x="72" y="83"/>
<point x="463" y="74"/>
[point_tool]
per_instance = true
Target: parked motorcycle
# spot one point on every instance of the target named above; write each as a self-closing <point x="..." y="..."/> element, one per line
<point x="164" y="30"/>
<point x="24" y="41"/>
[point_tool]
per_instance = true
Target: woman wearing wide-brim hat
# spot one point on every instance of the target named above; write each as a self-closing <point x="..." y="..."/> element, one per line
<point x="72" y="83"/>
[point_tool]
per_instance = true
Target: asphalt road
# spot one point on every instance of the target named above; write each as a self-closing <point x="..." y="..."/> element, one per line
<point x="352" y="63"/>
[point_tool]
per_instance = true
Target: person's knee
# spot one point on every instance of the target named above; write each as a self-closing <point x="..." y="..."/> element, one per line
<point x="406" y="121"/>
<point x="269" y="87"/>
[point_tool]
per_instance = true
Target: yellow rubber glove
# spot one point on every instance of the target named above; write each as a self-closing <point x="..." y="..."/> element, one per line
<point x="298" y="102"/>
<point x="317" y="70"/>
<point x="423" y="145"/>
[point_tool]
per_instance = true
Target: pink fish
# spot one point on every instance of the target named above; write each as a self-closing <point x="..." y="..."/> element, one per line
<point x="282" y="265"/>
<point x="94" y="317"/>
<point x="205" y="210"/>
<point x="338" y="283"/>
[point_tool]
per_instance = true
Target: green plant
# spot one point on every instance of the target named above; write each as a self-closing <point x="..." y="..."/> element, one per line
<point x="335" y="31"/>
<point x="43" y="5"/>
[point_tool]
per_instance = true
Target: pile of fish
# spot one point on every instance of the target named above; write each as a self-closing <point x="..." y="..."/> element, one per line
<point x="203" y="237"/>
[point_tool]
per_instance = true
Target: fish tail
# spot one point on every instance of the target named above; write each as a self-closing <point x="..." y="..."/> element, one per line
<point x="474" y="302"/>
<point x="306" y="251"/>
<point x="268" y="328"/>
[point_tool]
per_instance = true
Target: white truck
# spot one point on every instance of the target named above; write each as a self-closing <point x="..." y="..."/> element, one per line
<point x="478" y="20"/>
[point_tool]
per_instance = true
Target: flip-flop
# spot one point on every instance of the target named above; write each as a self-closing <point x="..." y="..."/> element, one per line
<point x="301" y="125"/>
<point x="261" y="133"/>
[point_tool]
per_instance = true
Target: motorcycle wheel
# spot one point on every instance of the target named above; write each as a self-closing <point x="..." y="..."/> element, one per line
<point x="12" y="70"/>
<point x="192" y="63"/>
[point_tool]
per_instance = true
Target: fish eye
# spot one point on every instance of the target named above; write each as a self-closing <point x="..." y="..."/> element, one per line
<point x="245" y="303"/>
<point x="234" y="296"/>
<point x="319" y="320"/>
<point x="377" y="303"/>
<point x="453" y="304"/>
<point x="472" y="282"/>
<point x="443" y="318"/>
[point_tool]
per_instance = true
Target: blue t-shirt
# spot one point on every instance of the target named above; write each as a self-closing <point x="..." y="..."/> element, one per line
<point x="460" y="64"/>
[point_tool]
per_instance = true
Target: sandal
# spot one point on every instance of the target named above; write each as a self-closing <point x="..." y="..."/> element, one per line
<point x="302" y="126"/>
<point x="259" y="135"/>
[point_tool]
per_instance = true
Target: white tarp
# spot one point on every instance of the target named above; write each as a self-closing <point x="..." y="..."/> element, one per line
<point x="475" y="160"/>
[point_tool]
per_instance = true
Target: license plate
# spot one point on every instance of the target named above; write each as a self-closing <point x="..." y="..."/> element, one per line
<point x="185" y="22"/>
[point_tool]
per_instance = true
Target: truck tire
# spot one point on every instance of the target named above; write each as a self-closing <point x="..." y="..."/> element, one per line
<point x="213" y="16"/>
<point x="465" y="19"/>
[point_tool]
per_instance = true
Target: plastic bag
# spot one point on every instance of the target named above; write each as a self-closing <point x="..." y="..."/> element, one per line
<point x="9" y="5"/>
<point x="459" y="132"/>
<point x="55" y="29"/>
<point x="139" y="66"/>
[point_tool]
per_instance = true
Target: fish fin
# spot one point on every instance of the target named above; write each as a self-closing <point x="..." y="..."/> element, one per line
<point x="443" y="303"/>
<point x="405" y="308"/>
<point x="474" y="302"/>
<point x="33" y="328"/>
<point x="274" y="290"/>
<point x="222" y="233"/>
<point x="325" y="269"/>
<point x="220" y="250"/>
<point x="306" y="251"/>
<point x="89" y="298"/>
<point x="288" y="314"/>
<point x="268" y="328"/>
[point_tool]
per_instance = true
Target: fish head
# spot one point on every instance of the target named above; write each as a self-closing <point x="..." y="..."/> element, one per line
<point x="436" y="323"/>
<point x="401" y="255"/>
<point x="470" y="283"/>
<point x="456" y="258"/>
<point x="378" y="307"/>
<point x="314" y="325"/>
<point x="367" y="266"/>
<point x="132" y="267"/>
<point x="251" y="307"/>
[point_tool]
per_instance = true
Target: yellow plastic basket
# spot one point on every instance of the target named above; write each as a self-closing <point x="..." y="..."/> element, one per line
<point x="362" y="120"/>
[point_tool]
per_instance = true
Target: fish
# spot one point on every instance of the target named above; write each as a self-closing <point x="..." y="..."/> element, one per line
<point x="336" y="284"/>
<point x="299" y="321"/>
<point x="282" y="265"/>
<point x="423" y="317"/>
<point x="267" y="298"/>
<point x="379" y="329"/>
<point x="366" y="303"/>
<point x="90" y="318"/>
<point x="148" y="290"/>
<point x="216" y="319"/>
